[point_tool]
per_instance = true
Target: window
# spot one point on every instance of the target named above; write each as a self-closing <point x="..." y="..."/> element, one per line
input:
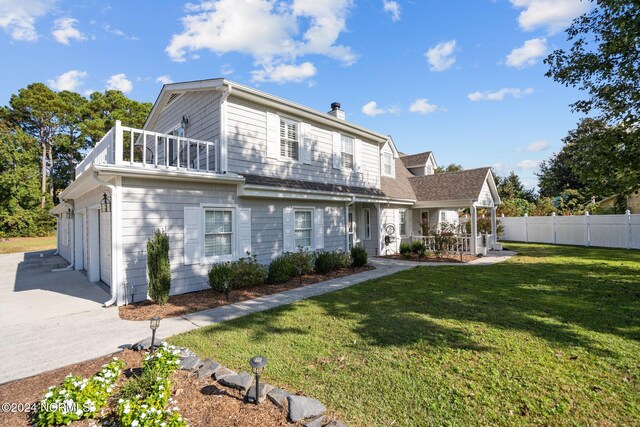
<point x="443" y="216"/>
<point x="367" y="224"/>
<point x="289" y="139"/>
<point x="218" y="232"/>
<point x="303" y="227"/>
<point x="347" y="152"/>
<point x="429" y="169"/>
<point x="386" y="164"/>
<point x="403" y="223"/>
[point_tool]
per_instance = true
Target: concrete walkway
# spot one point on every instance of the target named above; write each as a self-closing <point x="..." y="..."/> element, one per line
<point x="50" y="320"/>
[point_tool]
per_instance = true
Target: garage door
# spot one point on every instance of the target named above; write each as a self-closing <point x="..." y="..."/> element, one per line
<point x="105" y="247"/>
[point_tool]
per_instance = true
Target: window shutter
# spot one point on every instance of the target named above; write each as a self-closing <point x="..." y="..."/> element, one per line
<point x="318" y="228"/>
<point x="357" y="156"/>
<point x="244" y="232"/>
<point x="288" y="237"/>
<point x="337" y="150"/>
<point x="192" y="246"/>
<point x="305" y="145"/>
<point x="273" y="135"/>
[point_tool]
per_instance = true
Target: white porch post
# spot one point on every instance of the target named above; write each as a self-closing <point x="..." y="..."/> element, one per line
<point x="473" y="240"/>
<point x="494" y="225"/>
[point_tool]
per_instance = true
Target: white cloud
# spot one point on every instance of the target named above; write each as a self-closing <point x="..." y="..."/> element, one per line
<point x="165" y="80"/>
<point x="499" y="95"/>
<point x="527" y="54"/>
<point x="422" y="106"/>
<point x="284" y="73"/>
<point x="553" y="15"/>
<point x="109" y="29"/>
<point x="371" y="109"/>
<point x="63" y="31"/>
<point x="226" y="69"/>
<point x="18" y="18"/>
<point x="71" y="80"/>
<point x="393" y="8"/>
<point x="119" y="82"/>
<point x="528" y="164"/>
<point x="441" y="57"/>
<point x="287" y="31"/>
<point x="536" y="146"/>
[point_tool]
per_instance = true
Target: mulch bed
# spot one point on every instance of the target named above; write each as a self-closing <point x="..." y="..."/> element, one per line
<point x="432" y="258"/>
<point x="201" y="402"/>
<point x="179" y="305"/>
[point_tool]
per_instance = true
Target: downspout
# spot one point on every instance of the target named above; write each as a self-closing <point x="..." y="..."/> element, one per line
<point x="115" y="237"/>
<point x="346" y="221"/>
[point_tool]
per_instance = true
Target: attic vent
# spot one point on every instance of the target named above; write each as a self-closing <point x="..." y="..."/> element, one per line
<point x="173" y="97"/>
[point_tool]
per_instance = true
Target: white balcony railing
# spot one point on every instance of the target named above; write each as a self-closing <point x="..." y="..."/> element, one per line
<point x="137" y="147"/>
<point x="454" y="244"/>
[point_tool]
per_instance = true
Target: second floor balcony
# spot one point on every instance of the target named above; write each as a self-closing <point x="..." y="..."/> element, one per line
<point x="126" y="146"/>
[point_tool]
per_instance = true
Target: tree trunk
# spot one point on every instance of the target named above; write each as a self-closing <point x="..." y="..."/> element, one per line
<point x="43" y="185"/>
<point x="51" y="189"/>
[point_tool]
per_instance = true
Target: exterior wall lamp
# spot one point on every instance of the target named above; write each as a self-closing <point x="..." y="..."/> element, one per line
<point x="105" y="203"/>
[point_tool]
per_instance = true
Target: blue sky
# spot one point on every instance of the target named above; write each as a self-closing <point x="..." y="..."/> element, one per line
<point x="463" y="78"/>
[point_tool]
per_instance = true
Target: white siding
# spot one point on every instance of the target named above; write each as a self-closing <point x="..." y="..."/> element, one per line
<point x="65" y="241"/>
<point x="485" y="199"/>
<point x="247" y="150"/>
<point x="203" y="110"/>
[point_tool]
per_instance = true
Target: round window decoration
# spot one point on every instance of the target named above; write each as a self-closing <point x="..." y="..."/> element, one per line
<point x="390" y="229"/>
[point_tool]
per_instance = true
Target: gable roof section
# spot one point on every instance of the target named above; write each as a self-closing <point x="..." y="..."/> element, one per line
<point x="415" y="160"/>
<point x="308" y="185"/>
<point x="463" y="185"/>
<point x="400" y="186"/>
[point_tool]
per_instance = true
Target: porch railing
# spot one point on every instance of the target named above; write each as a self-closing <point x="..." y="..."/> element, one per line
<point x="454" y="244"/>
<point x="124" y="145"/>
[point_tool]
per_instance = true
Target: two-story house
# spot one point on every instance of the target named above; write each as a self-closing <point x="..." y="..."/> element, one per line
<point x="226" y="169"/>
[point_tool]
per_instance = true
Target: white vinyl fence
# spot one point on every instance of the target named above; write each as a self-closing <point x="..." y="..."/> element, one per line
<point x="609" y="231"/>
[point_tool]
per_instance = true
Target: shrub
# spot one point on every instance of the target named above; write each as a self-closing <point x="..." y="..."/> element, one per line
<point x="245" y="272"/>
<point x="327" y="261"/>
<point x="302" y="261"/>
<point x="280" y="270"/>
<point x="158" y="267"/>
<point x="220" y="277"/>
<point x="405" y="249"/>
<point x="359" y="256"/>
<point x="418" y="247"/>
<point x="78" y="398"/>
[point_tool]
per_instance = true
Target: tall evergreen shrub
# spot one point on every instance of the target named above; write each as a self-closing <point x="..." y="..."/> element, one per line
<point x="158" y="267"/>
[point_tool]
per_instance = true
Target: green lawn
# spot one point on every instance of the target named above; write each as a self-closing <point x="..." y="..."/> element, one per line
<point x="551" y="337"/>
<point x="27" y="244"/>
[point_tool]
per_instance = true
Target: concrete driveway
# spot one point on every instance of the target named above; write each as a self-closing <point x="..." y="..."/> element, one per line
<point x="49" y="320"/>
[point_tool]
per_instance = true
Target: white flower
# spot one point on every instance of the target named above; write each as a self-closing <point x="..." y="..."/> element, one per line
<point x="134" y="423"/>
<point x="79" y="412"/>
<point x="48" y="395"/>
<point x="126" y="410"/>
<point x="120" y="400"/>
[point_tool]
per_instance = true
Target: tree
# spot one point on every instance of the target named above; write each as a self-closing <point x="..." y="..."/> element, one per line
<point x="71" y="141"/>
<point x="510" y="187"/>
<point x="604" y="60"/>
<point x="453" y="167"/>
<point x="35" y="110"/>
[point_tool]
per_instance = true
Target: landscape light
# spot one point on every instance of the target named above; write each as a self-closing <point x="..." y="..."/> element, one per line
<point x="154" y="323"/>
<point x="258" y="364"/>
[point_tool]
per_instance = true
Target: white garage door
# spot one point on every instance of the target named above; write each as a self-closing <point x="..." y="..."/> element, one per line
<point x="105" y="247"/>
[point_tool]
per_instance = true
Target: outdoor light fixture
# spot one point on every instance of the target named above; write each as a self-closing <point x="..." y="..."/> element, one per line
<point x="258" y="364"/>
<point x="69" y="213"/>
<point x="185" y="122"/>
<point x="105" y="203"/>
<point x="154" y="323"/>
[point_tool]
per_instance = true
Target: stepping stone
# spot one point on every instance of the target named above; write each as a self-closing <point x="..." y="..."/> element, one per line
<point x="318" y="422"/>
<point x="262" y="394"/>
<point x="279" y="397"/>
<point x="185" y="352"/>
<point x="208" y="368"/>
<point x="241" y="381"/>
<point x="224" y="372"/>
<point x="336" y="423"/>
<point x="145" y="344"/>
<point x="191" y="363"/>
<point x="301" y="407"/>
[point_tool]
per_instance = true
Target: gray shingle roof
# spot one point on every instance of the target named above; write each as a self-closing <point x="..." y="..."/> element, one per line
<point x="463" y="185"/>
<point x="398" y="187"/>
<point x="415" y="159"/>
<point x="308" y="185"/>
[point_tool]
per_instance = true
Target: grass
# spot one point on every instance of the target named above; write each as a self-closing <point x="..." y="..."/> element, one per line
<point x="27" y="244"/>
<point x="551" y="337"/>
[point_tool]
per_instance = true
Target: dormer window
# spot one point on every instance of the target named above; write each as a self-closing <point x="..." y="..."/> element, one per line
<point x="347" y="152"/>
<point x="429" y="169"/>
<point x="387" y="158"/>
<point x="289" y="144"/>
